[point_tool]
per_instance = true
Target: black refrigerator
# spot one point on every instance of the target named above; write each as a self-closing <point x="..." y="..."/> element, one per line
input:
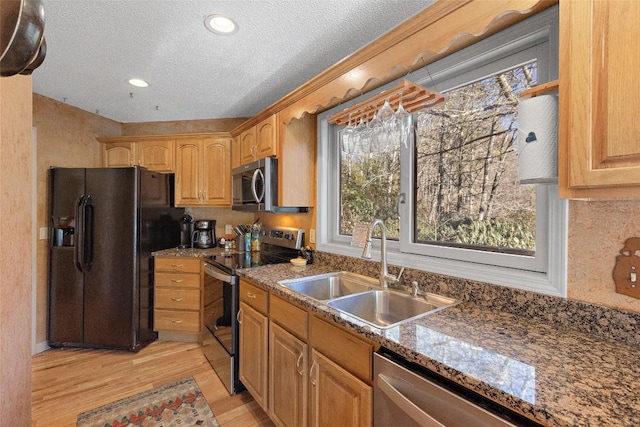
<point x="106" y="222"/>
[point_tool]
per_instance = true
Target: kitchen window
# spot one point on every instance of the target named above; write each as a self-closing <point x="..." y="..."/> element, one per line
<point x="450" y="197"/>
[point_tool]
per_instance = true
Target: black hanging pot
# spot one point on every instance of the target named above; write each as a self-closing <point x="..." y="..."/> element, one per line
<point x="22" y="46"/>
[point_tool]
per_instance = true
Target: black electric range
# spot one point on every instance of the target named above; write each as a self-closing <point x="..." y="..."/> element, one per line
<point x="222" y="301"/>
<point x="233" y="260"/>
<point x="277" y="245"/>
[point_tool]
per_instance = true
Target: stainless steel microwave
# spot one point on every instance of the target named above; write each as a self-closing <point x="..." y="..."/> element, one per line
<point x="255" y="188"/>
<point x="255" y="185"/>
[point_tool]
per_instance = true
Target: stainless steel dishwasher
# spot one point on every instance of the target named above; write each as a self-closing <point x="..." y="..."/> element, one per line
<point x="404" y="397"/>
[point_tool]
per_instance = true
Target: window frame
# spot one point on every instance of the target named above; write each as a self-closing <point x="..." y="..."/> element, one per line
<point x="535" y="37"/>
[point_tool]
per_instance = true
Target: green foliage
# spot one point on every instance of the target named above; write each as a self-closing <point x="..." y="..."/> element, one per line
<point x="509" y="233"/>
<point x="369" y="191"/>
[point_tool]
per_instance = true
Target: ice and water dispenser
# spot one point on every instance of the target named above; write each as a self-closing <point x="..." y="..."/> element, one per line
<point x="63" y="231"/>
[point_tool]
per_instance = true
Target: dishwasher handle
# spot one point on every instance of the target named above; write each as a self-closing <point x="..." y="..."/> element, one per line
<point x="405" y="404"/>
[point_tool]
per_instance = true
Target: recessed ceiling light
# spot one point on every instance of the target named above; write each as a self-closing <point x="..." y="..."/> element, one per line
<point x="138" y="82"/>
<point x="220" y="24"/>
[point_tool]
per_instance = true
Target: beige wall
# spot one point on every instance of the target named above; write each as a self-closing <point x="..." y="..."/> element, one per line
<point x="16" y="177"/>
<point x="186" y="126"/>
<point x="597" y="232"/>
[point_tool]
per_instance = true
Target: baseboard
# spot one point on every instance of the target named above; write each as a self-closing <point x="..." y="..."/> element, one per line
<point x="179" y="336"/>
<point x="40" y="347"/>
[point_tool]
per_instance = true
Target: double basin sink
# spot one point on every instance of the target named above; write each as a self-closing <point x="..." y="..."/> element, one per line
<point x="363" y="298"/>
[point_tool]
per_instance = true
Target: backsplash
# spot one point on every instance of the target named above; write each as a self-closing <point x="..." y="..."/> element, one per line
<point x="610" y="323"/>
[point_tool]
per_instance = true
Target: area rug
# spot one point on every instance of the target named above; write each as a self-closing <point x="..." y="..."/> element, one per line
<point x="180" y="403"/>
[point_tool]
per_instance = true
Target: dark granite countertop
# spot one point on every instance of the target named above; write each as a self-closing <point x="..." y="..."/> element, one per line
<point x="191" y="252"/>
<point x="557" y="376"/>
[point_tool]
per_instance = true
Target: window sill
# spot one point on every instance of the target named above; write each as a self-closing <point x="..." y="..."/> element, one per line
<point x="550" y="283"/>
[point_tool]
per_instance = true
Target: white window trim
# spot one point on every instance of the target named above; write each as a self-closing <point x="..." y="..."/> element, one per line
<point x="552" y="281"/>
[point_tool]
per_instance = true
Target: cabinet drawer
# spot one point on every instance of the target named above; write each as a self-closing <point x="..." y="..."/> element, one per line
<point x="177" y="280"/>
<point x="348" y="351"/>
<point x="178" y="265"/>
<point x="181" y="321"/>
<point x="290" y="317"/>
<point x="254" y="296"/>
<point x="181" y="299"/>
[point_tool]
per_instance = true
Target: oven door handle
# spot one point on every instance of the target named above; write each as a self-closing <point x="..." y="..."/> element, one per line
<point x="210" y="270"/>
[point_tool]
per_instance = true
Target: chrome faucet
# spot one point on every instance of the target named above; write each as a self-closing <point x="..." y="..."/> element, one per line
<point x="385" y="277"/>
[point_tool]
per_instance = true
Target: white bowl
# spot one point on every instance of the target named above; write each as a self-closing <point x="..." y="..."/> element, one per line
<point x="299" y="262"/>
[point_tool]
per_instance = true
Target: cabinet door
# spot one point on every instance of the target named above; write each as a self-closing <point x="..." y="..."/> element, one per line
<point x="296" y="160"/>
<point x="287" y="378"/>
<point x="253" y="353"/>
<point x="235" y="152"/>
<point x="267" y="137"/>
<point x="337" y="397"/>
<point x="216" y="172"/>
<point x="156" y="155"/>
<point x="118" y="154"/>
<point x="599" y="98"/>
<point x="188" y="190"/>
<point x="248" y="150"/>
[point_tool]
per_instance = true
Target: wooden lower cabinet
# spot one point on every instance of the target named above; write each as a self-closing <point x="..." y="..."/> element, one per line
<point x="337" y="397"/>
<point x="254" y="329"/>
<point x="178" y="298"/>
<point x="288" y="379"/>
<point x="302" y="370"/>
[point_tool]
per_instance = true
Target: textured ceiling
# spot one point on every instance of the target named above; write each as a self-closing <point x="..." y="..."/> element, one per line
<point x="95" y="46"/>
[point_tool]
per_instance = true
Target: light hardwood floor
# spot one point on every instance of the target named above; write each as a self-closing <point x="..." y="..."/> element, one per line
<point x="67" y="382"/>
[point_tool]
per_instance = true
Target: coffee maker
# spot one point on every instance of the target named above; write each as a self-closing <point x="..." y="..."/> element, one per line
<point x="186" y="232"/>
<point x="204" y="234"/>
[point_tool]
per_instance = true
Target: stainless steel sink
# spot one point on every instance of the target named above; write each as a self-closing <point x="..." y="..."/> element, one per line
<point x="331" y="285"/>
<point x="385" y="309"/>
<point x="363" y="298"/>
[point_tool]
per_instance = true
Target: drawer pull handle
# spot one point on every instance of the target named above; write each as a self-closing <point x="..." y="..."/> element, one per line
<point x="239" y="316"/>
<point x="176" y="321"/>
<point x="176" y="280"/>
<point x="177" y="299"/>
<point x="177" y="265"/>
<point x="251" y="295"/>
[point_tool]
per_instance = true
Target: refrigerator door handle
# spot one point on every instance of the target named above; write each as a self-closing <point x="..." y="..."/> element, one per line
<point x="87" y="234"/>
<point x="79" y="244"/>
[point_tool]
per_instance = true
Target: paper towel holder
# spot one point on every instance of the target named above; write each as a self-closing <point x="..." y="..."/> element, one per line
<point x="537" y="134"/>
<point x="540" y="89"/>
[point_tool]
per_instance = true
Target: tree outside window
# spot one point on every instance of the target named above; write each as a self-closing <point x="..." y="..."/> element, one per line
<point x="466" y="188"/>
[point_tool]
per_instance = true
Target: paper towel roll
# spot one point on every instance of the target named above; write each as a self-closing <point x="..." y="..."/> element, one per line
<point x="537" y="139"/>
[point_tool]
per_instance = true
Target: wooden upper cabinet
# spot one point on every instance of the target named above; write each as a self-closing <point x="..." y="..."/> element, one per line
<point x="216" y="168"/>
<point x="259" y="141"/>
<point x="296" y="162"/>
<point x="235" y="152"/>
<point x="118" y="154"/>
<point x="188" y="187"/>
<point x="203" y="171"/>
<point x="248" y="146"/>
<point x="153" y="153"/>
<point x="599" y="154"/>
<point x="156" y="155"/>
<point x="267" y="137"/>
